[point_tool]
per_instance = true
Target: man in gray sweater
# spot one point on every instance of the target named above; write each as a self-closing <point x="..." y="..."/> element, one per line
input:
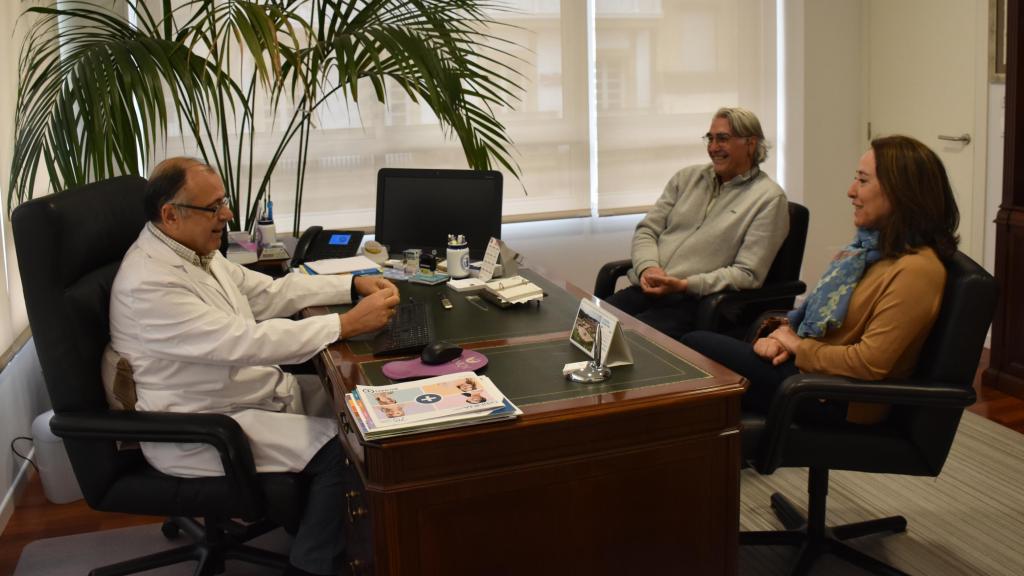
<point x="715" y="227"/>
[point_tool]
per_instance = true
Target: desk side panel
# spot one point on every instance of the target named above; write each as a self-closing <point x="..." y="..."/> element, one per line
<point x="655" y="509"/>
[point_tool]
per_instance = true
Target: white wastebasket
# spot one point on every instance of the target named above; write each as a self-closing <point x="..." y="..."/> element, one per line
<point x="51" y="459"/>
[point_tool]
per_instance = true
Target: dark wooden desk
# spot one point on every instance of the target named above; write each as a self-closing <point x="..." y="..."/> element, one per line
<point x="619" y="481"/>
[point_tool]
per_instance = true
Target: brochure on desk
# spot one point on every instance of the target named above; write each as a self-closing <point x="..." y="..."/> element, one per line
<point x="438" y="403"/>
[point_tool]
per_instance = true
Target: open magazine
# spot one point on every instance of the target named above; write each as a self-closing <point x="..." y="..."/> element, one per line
<point x="448" y="401"/>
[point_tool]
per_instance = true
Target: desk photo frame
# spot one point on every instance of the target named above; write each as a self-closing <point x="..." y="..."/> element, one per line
<point x="589" y="319"/>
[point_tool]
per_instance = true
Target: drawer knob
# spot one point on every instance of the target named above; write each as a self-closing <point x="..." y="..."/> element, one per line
<point x="345" y="423"/>
<point x="355" y="509"/>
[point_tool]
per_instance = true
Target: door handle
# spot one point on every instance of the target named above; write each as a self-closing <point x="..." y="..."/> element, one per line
<point x="965" y="138"/>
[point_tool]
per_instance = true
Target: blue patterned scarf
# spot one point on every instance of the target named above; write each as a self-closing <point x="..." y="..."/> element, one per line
<point x="826" y="307"/>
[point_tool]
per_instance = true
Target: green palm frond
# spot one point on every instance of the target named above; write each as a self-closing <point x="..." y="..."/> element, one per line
<point x="439" y="52"/>
<point x="93" y="99"/>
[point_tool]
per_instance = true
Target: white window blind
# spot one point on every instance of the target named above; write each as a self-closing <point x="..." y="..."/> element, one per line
<point x="662" y="68"/>
<point x="13" y="319"/>
<point x="351" y="143"/>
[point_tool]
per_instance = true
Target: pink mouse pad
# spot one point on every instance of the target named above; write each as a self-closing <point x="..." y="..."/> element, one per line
<point x="415" y="368"/>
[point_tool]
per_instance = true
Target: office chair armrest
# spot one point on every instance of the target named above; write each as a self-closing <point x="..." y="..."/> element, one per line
<point x="220" y="431"/>
<point x="729" y="303"/>
<point x="608" y="275"/>
<point x="906" y="392"/>
<point x="815" y="386"/>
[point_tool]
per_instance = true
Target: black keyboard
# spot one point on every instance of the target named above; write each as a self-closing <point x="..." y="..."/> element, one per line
<point x="410" y="329"/>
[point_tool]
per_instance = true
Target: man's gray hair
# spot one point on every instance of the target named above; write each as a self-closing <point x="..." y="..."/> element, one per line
<point x="745" y="124"/>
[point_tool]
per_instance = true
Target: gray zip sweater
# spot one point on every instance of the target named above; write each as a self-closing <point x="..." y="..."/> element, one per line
<point x="727" y="247"/>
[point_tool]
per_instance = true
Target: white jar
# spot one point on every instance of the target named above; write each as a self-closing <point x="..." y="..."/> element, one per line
<point x="267" y="233"/>
<point x="458" y="260"/>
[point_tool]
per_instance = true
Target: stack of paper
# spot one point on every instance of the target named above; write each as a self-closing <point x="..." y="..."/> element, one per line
<point x="350" y="265"/>
<point x="450" y="401"/>
<point x="512" y="290"/>
<point x="466" y="284"/>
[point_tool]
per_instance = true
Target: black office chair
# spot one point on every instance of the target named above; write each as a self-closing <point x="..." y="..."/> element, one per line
<point x="914" y="440"/>
<point x="731" y="311"/>
<point x="69" y="248"/>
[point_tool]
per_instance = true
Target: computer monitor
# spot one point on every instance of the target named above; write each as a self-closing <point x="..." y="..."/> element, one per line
<point x="419" y="208"/>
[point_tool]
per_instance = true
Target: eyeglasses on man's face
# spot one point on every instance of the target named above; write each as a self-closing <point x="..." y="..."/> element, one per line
<point x="722" y="138"/>
<point x="212" y="209"/>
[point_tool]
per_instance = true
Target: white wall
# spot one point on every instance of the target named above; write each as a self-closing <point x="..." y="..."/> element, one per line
<point x="22" y="398"/>
<point x="833" y="134"/>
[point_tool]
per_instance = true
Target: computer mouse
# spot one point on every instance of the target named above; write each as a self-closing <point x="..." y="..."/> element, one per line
<point x="440" y="352"/>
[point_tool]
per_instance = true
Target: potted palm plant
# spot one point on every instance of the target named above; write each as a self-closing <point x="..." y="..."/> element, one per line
<point x="98" y="88"/>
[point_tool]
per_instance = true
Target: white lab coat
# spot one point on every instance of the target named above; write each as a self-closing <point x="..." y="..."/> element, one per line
<point x="203" y="343"/>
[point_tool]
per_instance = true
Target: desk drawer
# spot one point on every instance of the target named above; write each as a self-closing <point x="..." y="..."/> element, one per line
<point x="358" y="527"/>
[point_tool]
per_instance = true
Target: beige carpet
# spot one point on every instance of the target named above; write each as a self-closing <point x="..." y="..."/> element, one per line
<point x="968" y="521"/>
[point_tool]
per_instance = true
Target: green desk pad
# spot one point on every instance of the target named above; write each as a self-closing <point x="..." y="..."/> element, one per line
<point x="467" y="322"/>
<point x="532" y="373"/>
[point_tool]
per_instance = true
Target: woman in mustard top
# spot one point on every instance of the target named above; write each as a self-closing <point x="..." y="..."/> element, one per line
<point x="873" y="308"/>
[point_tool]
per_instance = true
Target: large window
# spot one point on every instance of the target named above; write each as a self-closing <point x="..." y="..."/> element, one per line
<point x="13" y="319"/>
<point x="602" y="128"/>
<point x="662" y="69"/>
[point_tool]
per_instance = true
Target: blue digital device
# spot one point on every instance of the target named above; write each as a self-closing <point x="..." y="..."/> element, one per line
<point x="340" y="239"/>
<point x="317" y="244"/>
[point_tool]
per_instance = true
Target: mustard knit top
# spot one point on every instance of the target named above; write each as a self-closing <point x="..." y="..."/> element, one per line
<point x="891" y="312"/>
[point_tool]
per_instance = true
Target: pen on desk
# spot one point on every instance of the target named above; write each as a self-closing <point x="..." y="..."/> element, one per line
<point x="309" y="270"/>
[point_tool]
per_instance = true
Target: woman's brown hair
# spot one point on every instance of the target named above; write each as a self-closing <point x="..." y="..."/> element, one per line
<point x="924" y="211"/>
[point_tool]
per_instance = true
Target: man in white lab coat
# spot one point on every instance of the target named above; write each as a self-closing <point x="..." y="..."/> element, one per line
<point x="205" y="335"/>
